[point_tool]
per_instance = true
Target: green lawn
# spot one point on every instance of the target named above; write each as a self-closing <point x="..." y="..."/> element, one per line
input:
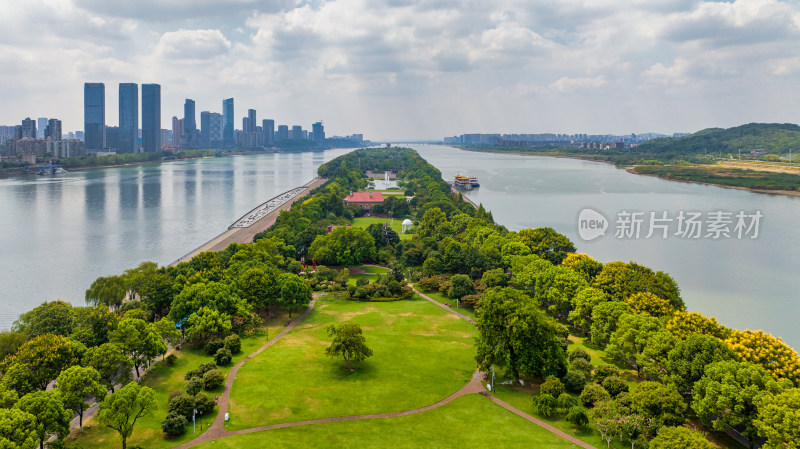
<point x="440" y="297"/>
<point x="422" y="354"/>
<point x="397" y="226"/>
<point x="165" y="379"/>
<point x="468" y="422"/>
<point x="355" y="277"/>
<point x="373" y="269"/>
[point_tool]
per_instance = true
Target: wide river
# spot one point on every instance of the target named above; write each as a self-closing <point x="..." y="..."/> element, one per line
<point x="746" y="283"/>
<point x="58" y="234"/>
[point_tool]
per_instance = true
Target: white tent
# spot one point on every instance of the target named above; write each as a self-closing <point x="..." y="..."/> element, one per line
<point x="407" y="225"/>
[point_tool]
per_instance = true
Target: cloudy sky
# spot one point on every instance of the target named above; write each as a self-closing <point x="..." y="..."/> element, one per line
<point x="414" y="69"/>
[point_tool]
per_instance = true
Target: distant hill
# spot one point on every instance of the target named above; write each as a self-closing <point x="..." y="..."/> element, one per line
<point x="775" y="137"/>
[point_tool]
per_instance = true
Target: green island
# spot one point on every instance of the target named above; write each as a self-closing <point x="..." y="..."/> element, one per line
<point x="337" y="328"/>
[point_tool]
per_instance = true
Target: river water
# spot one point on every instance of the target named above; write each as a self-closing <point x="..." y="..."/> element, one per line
<point x="59" y="233"/>
<point x="745" y="283"/>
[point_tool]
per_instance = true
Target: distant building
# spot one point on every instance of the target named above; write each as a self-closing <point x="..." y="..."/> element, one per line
<point x="177" y="131"/>
<point x="268" y="128"/>
<point x="227" y="123"/>
<point x="53" y="130"/>
<point x="215" y="130"/>
<point x="61" y="149"/>
<point x="128" y="118"/>
<point x="17" y="132"/>
<point x="297" y="133"/>
<point x="759" y="152"/>
<point x="41" y="127"/>
<point x="112" y="138"/>
<point x="367" y="200"/>
<point x="319" y="132"/>
<point x="28" y="128"/>
<point x="152" y="137"/>
<point x="165" y="138"/>
<point x="283" y="132"/>
<point x="189" y="136"/>
<point x="251" y="121"/>
<point x="94" y="116"/>
<point x="205" y="129"/>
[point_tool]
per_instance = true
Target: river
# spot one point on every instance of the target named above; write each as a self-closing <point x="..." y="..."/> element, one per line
<point x="745" y="283"/>
<point x="59" y="233"/>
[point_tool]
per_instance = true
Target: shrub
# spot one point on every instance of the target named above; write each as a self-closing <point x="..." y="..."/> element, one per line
<point x="360" y="282"/>
<point x="579" y="353"/>
<point x="565" y="402"/>
<point x="583" y="367"/>
<point x="461" y="285"/>
<point x="204" y="403"/>
<point x="593" y="393"/>
<point x="470" y="301"/>
<point x="614" y="385"/>
<point x="552" y="386"/>
<point x="213" y="345"/>
<point x="222" y="357"/>
<point x="233" y="344"/>
<point x="182" y="405"/>
<point x="174" y="424"/>
<point x="213" y="379"/>
<point x="171" y="359"/>
<point x="605" y="370"/>
<point x="545" y="404"/>
<point x="574" y="381"/>
<point x="194" y="385"/>
<point x="174" y="394"/>
<point x="624" y="402"/>
<point x="200" y="370"/>
<point x="577" y="417"/>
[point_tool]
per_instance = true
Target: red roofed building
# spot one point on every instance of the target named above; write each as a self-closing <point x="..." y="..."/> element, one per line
<point x="364" y="199"/>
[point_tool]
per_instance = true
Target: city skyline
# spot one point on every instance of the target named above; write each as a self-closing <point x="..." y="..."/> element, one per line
<point x="414" y="69"/>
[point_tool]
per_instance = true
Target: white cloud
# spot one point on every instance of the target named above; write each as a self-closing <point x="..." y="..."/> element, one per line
<point x="192" y="44"/>
<point x="570" y="85"/>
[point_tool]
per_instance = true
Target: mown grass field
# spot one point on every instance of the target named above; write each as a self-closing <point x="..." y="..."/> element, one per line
<point x="397" y="226"/>
<point x="422" y="354"/>
<point x="442" y="298"/>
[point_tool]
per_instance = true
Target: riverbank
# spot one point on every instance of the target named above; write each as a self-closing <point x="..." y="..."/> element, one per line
<point x="246" y="234"/>
<point x="730" y="178"/>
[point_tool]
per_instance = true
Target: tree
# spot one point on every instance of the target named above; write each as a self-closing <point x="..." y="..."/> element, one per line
<point x="17" y="429"/>
<point x="258" y="288"/>
<point x="295" y="293"/>
<point x="545" y="404"/>
<point x="684" y="324"/>
<point x="157" y="290"/>
<point x="547" y="243"/>
<point x="52" y="418"/>
<point x="593" y="394"/>
<point x="727" y="395"/>
<point x="512" y="331"/>
<point x="663" y="404"/>
<point x="577" y="417"/>
<point x="432" y="221"/>
<point x="630" y="338"/>
<point x="565" y="401"/>
<point x="778" y="419"/>
<point x="582" y="263"/>
<point x="214" y="295"/>
<point x="686" y="362"/>
<point x="552" y="386"/>
<point x="574" y="381"/>
<point x="174" y="424"/>
<point x="10" y="341"/>
<point x="139" y="340"/>
<point x="605" y="370"/>
<point x="653" y="358"/>
<point x="679" y="438"/>
<point x="605" y="318"/>
<point x="620" y="280"/>
<point x="614" y="385"/>
<point x="556" y="288"/>
<point x="348" y="342"/>
<point x="168" y="331"/>
<point x="108" y="291"/>
<point x="344" y="247"/>
<point x="45" y="357"/>
<point x="213" y="379"/>
<point x="93" y="325"/>
<point x="111" y="363"/>
<point x="206" y="324"/>
<point x="650" y="304"/>
<point x="75" y="384"/>
<point x="461" y="285"/>
<point x="768" y="352"/>
<point x="579" y="353"/>
<point x="194" y="386"/>
<point x="122" y="409"/>
<point x="233" y="343"/>
<point x="584" y="303"/>
<point x="56" y="317"/>
<point x="494" y="278"/>
<point x="383" y="234"/>
<point x="223" y="357"/>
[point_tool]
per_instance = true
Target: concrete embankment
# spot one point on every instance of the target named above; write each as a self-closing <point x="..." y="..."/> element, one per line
<point x="246" y="234"/>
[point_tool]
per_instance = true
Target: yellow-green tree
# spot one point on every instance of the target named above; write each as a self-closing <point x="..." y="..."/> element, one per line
<point x="771" y="353"/>
<point x="779" y="419"/>
<point x="650" y="304"/>
<point x="44" y="356"/>
<point x="684" y="324"/>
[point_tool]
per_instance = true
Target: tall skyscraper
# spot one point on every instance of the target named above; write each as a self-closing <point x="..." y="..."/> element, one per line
<point x="29" y="128"/>
<point x="128" y="118"/>
<point x="112" y="138"/>
<point x="268" y="126"/>
<point x="319" y="132"/>
<point x="251" y="121"/>
<point x="94" y="116"/>
<point x="53" y="130"/>
<point x="41" y="127"/>
<point x="177" y="131"/>
<point x="297" y="133"/>
<point x="189" y="125"/>
<point x="283" y="132"/>
<point x="245" y="124"/>
<point x="205" y="129"/>
<point x="151" y="118"/>
<point x="227" y="123"/>
<point x="215" y="130"/>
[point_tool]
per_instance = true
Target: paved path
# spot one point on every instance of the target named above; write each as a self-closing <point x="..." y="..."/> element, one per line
<point x="449" y="309"/>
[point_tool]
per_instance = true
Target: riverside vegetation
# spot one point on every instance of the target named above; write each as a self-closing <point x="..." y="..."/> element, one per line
<point x="607" y="352"/>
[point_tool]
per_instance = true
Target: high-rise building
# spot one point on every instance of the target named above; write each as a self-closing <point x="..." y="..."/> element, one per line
<point x="29" y="128"/>
<point x="152" y="139"/>
<point x="251" y="121"/>
<point x="128" y="118"/>
<point x="94" y="116"/>
<point x="17" y="132"/>
<point x="319" y="132"/>
<point x="188" y="139"/>
<point x="268" y="127"/>
<point x="112" y="138"/>
<point x="177" y="131"/>
<point x="227" y="123"/>
<point x="53" y="130"/>
<point x="41" y="127"/>
<point x="205" y="129"/>
<point x="297" y="133"/>
<point x="245" y="124"/>
<point x="215" y="130"/>
<point x="283" y="132"/>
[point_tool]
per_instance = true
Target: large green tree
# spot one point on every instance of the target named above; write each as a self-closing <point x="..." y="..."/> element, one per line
<point x="45" y="356"/>
<point x="111" y="363"/>
<point x="663" y="404"/>
<point x="139" y="340"/>
<point x="556" y="289"/>
<point x="108" y="291"/>
<point x="631" y="336"/>
<point x="778" y="419"/>
<point x="605" y="318"/>
<point x="687" y="361"/>
<point x="56" y="317"/>
<point x="77" y="383"/>
<point x="52" y="418"/>
<point x="344" y="247"/>
<point x="258" y="288"/>
<point x="207" y="324"/>
<point x="679" y="438"/>
<point x="547" y="243"/>
<point x="295" y="293"/>
<point x="348" y="342"/>
<point x="122" y="409"/>
<point x="17" y="429"/>
<point x="584" y="303"/>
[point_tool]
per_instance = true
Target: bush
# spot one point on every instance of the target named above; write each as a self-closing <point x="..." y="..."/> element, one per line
<point x="233" y="344"/>
<point x="171" y="359"/>
<point x="583" y="367"/>
<point x="182" y="405"/>
<point x="565" y="402"/>
<point x="603" y="371"/>
<point x="194" y="385"/>
<point x="174" y="394"/>
<point x="222" y="357"/>
<point x="593" y="393"/>
<point x="204" y="403"/>
<point x="574" y="381"/>
<point x="577" y="417"/>
<point x="552" y="386"/>
<point x="360" y="282"/>
<point x="461" y="285"/>
<point x="470" y="301"/>
<point x="213" y="345"/>
<point x="614" y="385"/>
<point x="545" y="404"/>
<point x="174" y="424"/>
<point x="213" y="379"/>
<point x="579" y="353"/>
<point x="200" y="370"/>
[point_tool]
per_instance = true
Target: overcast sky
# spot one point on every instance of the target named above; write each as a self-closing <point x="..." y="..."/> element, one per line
<point x="395" y="69"/>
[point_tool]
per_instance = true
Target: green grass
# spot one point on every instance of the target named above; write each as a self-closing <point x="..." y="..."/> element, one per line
<point x="725" y="176"/>
<point x="422" y="354"/>
<point x="355" y="277"/>
<point x="397" y="226"/>
<point x="468" y="422"/>
<point x="165" y="379"/>
<point x="373" y="270"/>
<point x="441" y="298"/>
